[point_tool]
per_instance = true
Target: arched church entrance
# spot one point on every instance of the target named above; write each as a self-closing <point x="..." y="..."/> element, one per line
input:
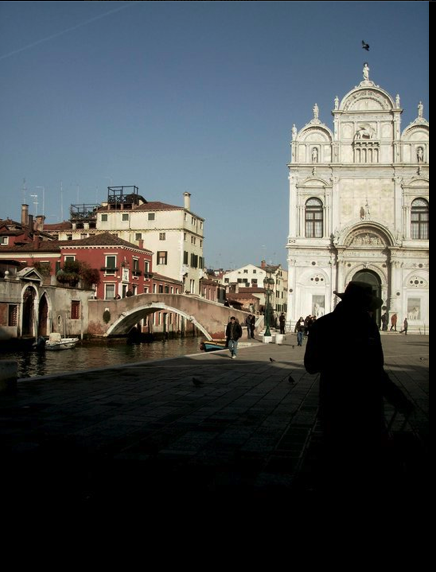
<point x="374" y="281"/>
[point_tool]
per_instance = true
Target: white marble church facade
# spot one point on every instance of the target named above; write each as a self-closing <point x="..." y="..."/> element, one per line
<point x="359" y="207"/>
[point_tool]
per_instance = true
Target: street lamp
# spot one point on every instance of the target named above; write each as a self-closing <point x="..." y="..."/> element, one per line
<point x="268" y="285"/>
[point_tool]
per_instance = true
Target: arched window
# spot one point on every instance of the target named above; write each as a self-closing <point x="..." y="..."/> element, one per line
<point x="420" y="219"/>
<point x="314" y="218"/>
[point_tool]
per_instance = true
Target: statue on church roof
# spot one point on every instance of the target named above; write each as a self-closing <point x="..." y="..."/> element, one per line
<point x="294" y="132"/>
<point x="366" y="71"/>
<point x="420" y="109"/>
<point x="316" y="111"/>
<point x="397" y="101"/>
<point x="336" y="102"/>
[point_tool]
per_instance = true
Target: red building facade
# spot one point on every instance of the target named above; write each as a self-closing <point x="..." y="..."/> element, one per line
<point x="124" y="269"/>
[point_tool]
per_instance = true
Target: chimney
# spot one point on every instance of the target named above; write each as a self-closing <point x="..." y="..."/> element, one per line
<point x="263" y="264"/>
<point x="187" y="197"/>
<point x="141" y="243"/>
<point x="24" y="215"/>
<point x="40" y="223"/>
<point x="31" y="225"/>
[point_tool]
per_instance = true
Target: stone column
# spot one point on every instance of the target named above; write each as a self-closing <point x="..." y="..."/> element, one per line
<point x="406" y="221"/>
<point x="396" y="286"/>
<point x="293" y="207"/>
<point x="341" y="273"/>
<point x="292" y="283"/>
<point x="302" y="215"/>
<point x="333" y="283"/>
<point x="335" y="222"/>
<point x="398" y="193"/>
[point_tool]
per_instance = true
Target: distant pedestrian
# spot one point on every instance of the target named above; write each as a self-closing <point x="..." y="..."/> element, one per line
<point x="405" y="327"/>
<point x="253" y="326"/>
<point x="233" y="334"/>
<point x="282" y="321"/>
<point x="394" y="320"/>
<point x="300" y="328"/>
<point x="248" y="325"/>
<point x="384" y="321"/>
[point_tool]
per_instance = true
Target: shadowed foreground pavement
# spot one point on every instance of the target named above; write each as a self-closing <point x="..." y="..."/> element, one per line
<point x="146" y="434"/>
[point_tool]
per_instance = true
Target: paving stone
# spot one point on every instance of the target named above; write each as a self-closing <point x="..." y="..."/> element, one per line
<point x="122" y="432"/>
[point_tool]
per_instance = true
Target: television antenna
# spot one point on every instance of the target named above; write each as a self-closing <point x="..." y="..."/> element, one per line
<point x="43" y="199"/>
<point x="24" y="189"/>
<point x="35" y="202"/>
<point x="62" y="204"/>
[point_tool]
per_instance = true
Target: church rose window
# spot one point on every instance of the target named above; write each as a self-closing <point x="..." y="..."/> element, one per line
<point x="314" y="218"/>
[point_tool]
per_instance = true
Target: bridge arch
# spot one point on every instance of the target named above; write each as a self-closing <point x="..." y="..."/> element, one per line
<point x="130" y="318"/>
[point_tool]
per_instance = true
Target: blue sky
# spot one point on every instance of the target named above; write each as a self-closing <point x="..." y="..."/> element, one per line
<point x="188" y="96"/>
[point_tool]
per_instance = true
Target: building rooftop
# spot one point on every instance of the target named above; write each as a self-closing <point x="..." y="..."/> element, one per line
<point x="104" y="239"/>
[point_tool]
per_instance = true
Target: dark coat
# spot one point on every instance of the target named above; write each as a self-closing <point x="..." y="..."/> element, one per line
<point x="345" y="348"/>
<point x="237" y="331"/>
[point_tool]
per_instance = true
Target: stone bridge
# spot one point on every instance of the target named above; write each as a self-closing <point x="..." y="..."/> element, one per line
<point x="210" y="318"/>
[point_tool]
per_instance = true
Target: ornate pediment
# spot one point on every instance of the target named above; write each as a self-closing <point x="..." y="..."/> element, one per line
<point x="29" y="274"/>
<point x="367" y="238"/>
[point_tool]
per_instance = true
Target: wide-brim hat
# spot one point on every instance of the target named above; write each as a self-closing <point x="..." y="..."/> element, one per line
<point x="360" y="294"/>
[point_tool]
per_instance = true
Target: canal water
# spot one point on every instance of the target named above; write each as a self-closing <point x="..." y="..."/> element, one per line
<point x="91" y="355"/>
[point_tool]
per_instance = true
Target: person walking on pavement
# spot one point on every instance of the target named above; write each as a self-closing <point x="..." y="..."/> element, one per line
<point x="353" y="383"/>
<point x="300" y="329"/>
<point x="394" y="320"/>
<point x="384" y="321"/>
<point x="405" y="327"/>
<point x="253" y="326"/>
<point x="282" y="321"/>
<point x="248" y="325"/>
<point x="233" y="334"/>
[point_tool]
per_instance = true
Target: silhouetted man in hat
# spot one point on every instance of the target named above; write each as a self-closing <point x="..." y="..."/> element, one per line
<point x="345" y="348"/>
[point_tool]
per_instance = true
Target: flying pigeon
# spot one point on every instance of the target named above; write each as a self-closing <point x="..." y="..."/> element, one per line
<point x="365" y="46"/>
<point x="197" y="382"/>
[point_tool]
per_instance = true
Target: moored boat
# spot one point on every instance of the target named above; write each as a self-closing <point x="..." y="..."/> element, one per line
<point x="212" y="346"/>
<point x="56" y="343"/>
